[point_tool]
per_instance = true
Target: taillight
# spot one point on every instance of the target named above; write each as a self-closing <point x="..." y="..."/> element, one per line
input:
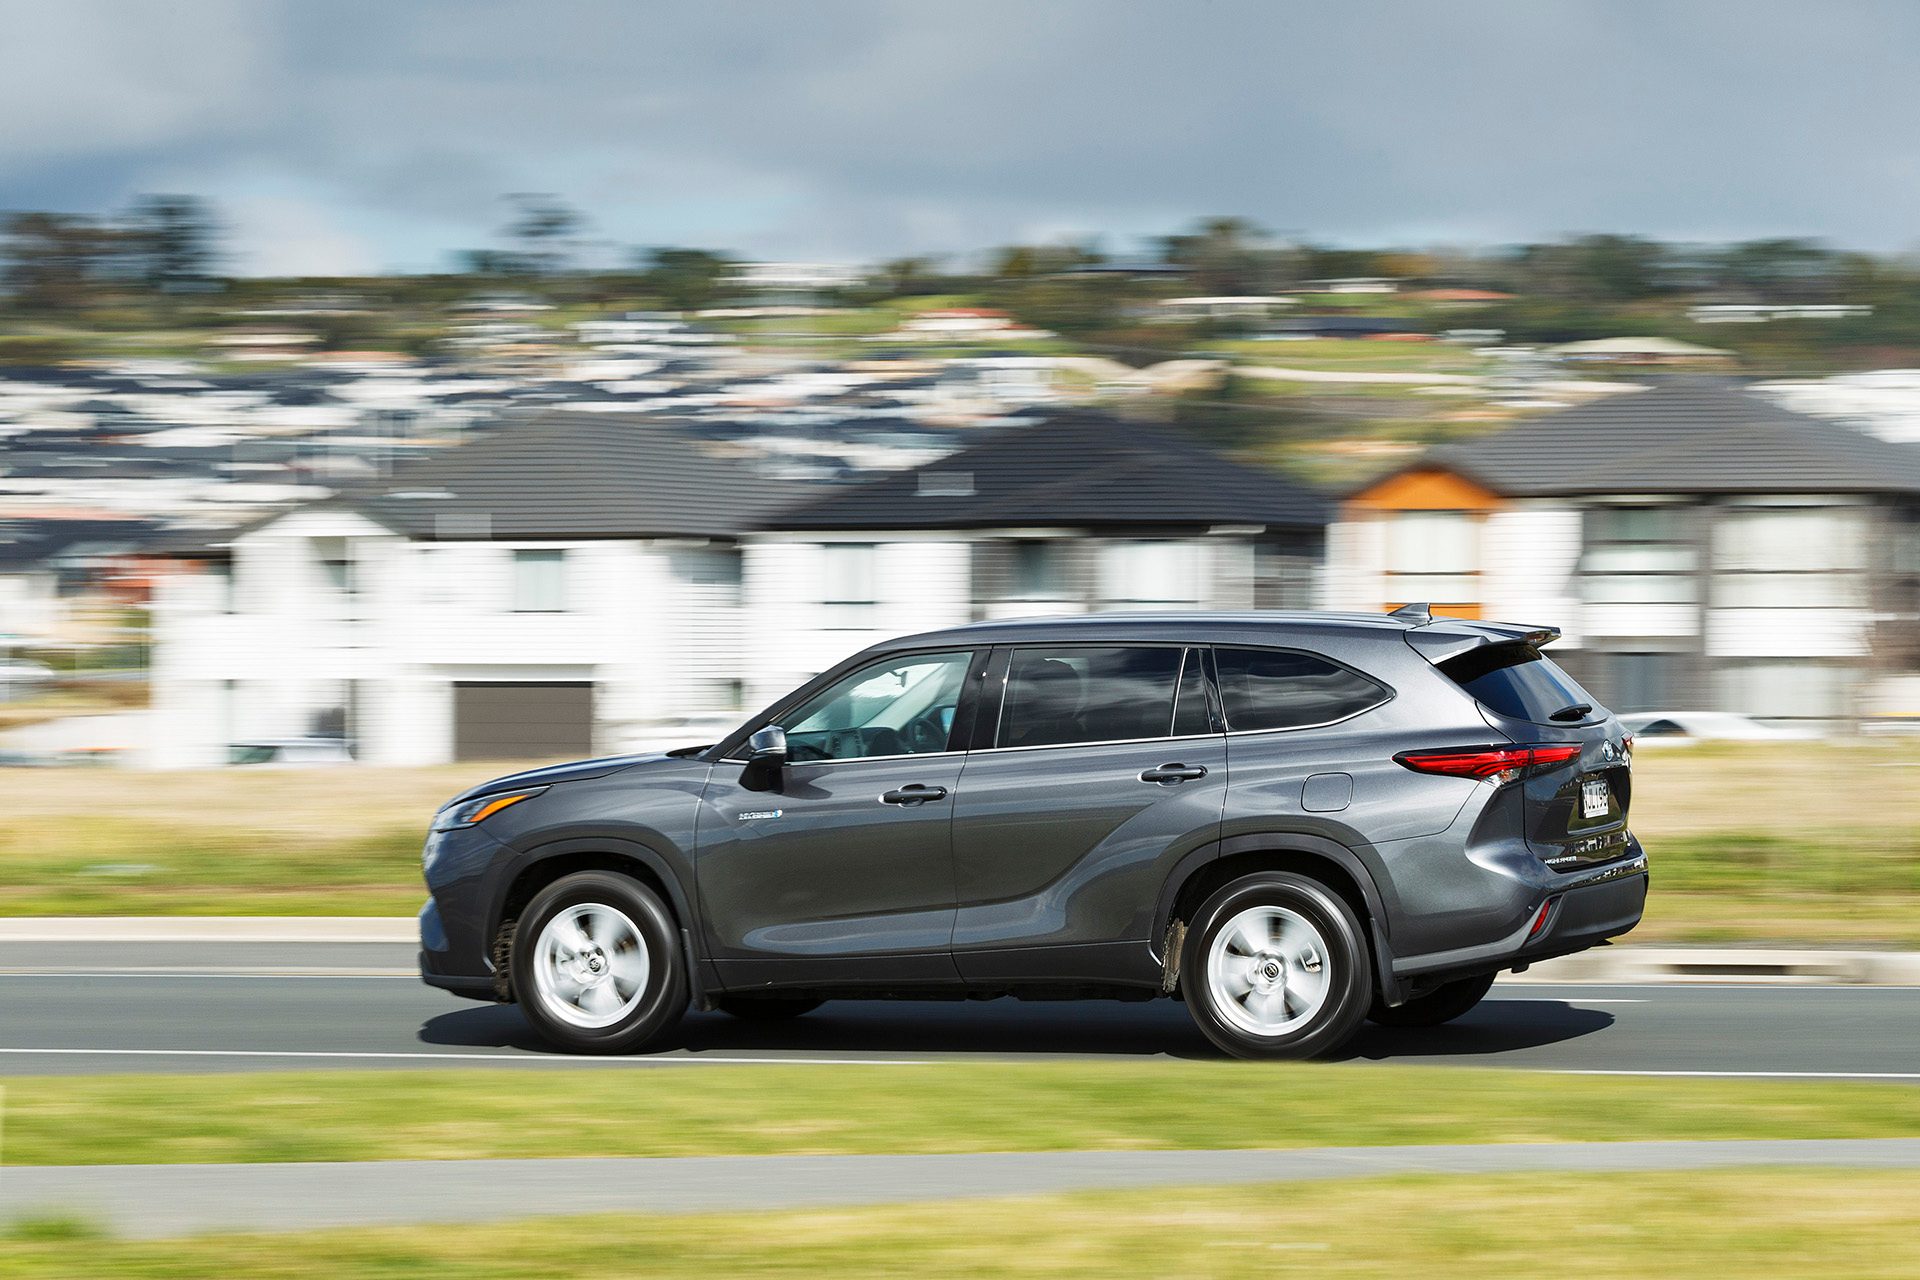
<point x="1496" y="764"/>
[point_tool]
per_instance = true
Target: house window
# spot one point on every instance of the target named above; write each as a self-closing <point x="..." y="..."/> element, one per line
<point x="1789" y="557"/>
<point x="1638" y="555"/>
<point x="1433" y="556"/>
<point x="849" y="585"/>
<point x="1151" y="575"/>
<point x="539" y="581"/>
<point x="1036" y="572"/>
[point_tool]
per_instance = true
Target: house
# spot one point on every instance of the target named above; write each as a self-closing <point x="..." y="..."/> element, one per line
<point x="1074" y="513"/>
<point x="563" y="586"/>
<point x="1699" y="545"/>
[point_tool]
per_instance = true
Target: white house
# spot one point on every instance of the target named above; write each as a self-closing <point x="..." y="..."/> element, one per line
<point x="564" y="587"/>
<point x="1075" y="513"/>
<point x="1700" y="546"/>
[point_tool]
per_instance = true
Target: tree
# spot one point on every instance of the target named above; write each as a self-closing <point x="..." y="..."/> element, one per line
<point x="54" y="261"/>
<point x="1225" y="256"/>
<point x="172" y="242"/>
<point x="541" y="226"/>
<point x="686" y="279"/>
<point x="906" y="277"/>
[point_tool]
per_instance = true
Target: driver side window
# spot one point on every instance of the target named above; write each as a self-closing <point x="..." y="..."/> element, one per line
<point x="895" y="707"/>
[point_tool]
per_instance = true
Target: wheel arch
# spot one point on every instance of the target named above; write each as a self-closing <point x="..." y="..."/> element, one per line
<point x="545" y="863"/>
<point x="1207" y="868"/>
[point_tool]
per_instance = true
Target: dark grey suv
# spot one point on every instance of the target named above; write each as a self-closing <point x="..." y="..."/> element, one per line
<point x="1291" y="821"/>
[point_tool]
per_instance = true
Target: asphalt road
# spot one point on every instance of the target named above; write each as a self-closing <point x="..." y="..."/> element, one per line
<point x="104" y="1008"/>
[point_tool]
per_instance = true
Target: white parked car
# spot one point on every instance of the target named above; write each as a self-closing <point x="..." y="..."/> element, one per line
<point x="291" y="751"/>
<point x="1652" y="728"/>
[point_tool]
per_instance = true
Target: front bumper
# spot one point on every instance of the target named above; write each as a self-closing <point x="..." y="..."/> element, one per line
<point x="455" y="946"/>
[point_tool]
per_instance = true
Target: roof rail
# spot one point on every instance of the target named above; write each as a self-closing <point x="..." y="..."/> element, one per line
<point x="1420" y="614"/>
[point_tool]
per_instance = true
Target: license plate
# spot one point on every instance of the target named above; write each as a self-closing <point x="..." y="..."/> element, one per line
<point x="1595" y="799"/>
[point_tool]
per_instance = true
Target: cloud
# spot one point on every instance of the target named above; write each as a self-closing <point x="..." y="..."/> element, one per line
<point x="860" y="129"/>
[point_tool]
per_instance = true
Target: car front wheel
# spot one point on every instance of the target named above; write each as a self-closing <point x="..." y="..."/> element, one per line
<point x="1275" y="966"/>
<point x="597" y="965"/>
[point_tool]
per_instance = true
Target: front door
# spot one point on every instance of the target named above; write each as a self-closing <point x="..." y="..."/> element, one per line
<point x="1106" y="766"/>
<point x="839" y="869"/>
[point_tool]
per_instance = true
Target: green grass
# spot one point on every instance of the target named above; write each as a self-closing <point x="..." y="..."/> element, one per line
<point x="945" y="1107"/>
<point x="1807" y="1225"/>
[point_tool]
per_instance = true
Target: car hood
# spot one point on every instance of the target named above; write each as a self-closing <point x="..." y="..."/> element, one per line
<point x="573" y="771"/>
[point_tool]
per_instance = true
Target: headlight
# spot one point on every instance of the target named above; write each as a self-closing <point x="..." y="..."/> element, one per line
<point x="480" y="808"/>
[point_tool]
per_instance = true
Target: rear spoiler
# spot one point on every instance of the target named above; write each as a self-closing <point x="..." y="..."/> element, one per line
<point x="1438" y="639"/>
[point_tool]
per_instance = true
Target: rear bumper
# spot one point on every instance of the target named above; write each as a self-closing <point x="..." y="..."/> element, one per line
<point x="1603" y="907"/>
<point x="1582" y="911"/>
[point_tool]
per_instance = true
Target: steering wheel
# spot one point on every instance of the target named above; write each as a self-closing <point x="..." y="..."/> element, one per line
<point x="926" y="735"/>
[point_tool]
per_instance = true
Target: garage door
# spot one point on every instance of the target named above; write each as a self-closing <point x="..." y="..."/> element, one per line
<point x="522" y="720"/>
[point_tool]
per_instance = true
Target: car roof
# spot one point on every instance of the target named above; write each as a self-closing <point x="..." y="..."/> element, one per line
<point x="1194" y="626"/>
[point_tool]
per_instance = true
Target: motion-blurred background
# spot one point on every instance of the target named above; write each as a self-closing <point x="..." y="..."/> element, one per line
<point x="390" y="389"/>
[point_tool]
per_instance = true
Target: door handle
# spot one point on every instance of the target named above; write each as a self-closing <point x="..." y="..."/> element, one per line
<point x="913" y="794"/>
<point x="1168" y="775"/>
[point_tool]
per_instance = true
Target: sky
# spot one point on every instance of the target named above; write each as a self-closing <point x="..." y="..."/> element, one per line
<point x="337" y="136"/>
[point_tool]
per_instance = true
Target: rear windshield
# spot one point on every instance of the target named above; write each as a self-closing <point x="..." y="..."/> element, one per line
<point x="1519" y="682"/>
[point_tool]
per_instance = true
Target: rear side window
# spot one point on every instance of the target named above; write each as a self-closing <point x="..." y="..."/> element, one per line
<point x="1517" y="681"/>
<point x="1276" y="689"/>
<point x="1066" y="695"/>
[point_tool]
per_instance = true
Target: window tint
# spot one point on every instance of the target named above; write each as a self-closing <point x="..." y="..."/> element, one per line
<point x="1059" y="696"/>
<point x="1270" y="689"/>
<point x="1516" y="681"/>
<point x="895" y="707"/>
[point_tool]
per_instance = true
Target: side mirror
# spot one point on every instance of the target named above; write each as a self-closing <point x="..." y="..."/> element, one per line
<point x="768" y="746"/>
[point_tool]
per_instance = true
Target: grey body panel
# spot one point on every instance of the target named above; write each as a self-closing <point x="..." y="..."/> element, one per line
<point x="819" y="881"/>
<point x="1066" y="846"/>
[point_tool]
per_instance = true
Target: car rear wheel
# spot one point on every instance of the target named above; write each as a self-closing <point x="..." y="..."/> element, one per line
<point x="766" y="1008"/>
<point x="1442" y="1004"/>
<point x="597" y="965"/>
<point x="1275" y="966"/>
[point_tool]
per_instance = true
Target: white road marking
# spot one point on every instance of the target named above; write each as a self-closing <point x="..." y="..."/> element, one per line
<point x="662" y="1060"/>
<point x="1575" y="1000"/>
<point x="1737" y="1075"/>
<point x="211" y="973"/>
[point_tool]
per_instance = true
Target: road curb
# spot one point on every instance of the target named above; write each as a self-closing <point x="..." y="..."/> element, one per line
<point x="1762" y="965"/>
<point x="351" y="929"/>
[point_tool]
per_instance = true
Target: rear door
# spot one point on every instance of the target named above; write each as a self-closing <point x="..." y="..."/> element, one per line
<point x="1576" y="812"/>
<point x="1094" y="767"/>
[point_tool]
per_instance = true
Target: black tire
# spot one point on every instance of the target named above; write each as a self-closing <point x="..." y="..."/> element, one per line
<point x="657" y="1000"/>
<point x="1442" y="1004"/>
<point x="766" y="1008"/>
<point x="1341" y="953"/>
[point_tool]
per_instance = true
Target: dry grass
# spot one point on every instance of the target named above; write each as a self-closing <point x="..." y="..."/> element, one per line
<point x="1786" y="843"/>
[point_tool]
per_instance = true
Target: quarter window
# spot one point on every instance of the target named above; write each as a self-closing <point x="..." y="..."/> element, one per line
<point x="1067" y="695"/>
<point x="1280" y="689"/>
<point x="895" y="707"/>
